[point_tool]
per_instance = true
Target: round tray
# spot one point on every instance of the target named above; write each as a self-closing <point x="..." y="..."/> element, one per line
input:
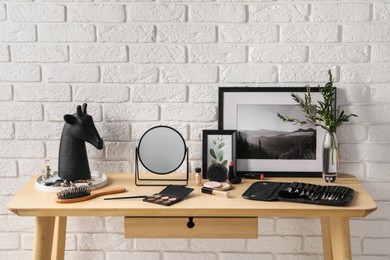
<point x="99" y="180"/>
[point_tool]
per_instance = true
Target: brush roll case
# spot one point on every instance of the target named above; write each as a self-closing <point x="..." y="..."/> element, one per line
<point x="299" y="192"/>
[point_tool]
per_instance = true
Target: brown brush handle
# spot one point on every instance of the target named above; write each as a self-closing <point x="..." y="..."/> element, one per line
<point x="93" y="195"/>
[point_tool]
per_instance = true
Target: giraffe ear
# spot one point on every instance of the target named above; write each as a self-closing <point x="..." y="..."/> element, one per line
<point x="70" y="119"/>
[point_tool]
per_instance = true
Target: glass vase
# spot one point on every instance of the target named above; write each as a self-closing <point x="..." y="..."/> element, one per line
<point x="330" y="157"/>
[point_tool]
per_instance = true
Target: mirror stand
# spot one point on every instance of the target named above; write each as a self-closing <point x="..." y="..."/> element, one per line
<point x="158" y="181"/>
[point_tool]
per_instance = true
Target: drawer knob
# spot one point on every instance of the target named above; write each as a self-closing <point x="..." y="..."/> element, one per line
<point x="190" y="223"/>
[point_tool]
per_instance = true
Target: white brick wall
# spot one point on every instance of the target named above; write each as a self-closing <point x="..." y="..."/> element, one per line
<point x="57" y="32"/>
<point x="40" y="53"/>
<point x="36" y="13"/>
<point x="106" y="53"/>
<point x="157" y="12"/>
<point x="279" y="12"/>
<point x="101" y="13"/>
<point x="158" y="54"/>
<point x="127" y="33"/>
<point x="20" y="72"/>
<point x="140" y="63"/>
<point x="13" y="32"/>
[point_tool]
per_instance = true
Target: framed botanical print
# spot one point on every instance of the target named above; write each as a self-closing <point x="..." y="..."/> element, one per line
<point x="219" y="146"/>
<point x="265" y="143"/>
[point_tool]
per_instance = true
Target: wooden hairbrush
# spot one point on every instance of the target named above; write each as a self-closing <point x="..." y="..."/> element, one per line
<point x="83" y="193"/>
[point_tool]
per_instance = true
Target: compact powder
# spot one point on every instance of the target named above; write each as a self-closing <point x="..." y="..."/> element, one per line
<point x="165" y="197"/>
<point x="150" y="198"/>
<point x="157" y="196"/>
<point x="172" y="199"/>
<point x="212" y="184"/>
<point x="224" y="186"/>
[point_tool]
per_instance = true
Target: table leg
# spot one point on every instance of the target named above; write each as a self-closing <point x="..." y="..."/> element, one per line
<point x="336" y="238"/>
<point x="59" y="237"/>
<point x="44" y="229"/>
<point x="326" y="240"/>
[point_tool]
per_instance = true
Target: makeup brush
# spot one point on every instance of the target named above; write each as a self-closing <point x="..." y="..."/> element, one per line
<point x="83" y="193"/>
<point x="224" y="194"/>
<point x="128" y="197"/>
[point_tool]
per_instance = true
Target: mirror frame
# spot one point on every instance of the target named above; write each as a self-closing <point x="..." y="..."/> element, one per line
<point x="140" y="143"/>
<point x="163" y="181"/>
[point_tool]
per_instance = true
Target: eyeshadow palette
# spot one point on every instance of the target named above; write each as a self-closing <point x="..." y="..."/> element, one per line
<point x="170" y="195"/>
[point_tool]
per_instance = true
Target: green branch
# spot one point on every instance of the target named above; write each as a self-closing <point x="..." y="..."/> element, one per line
<point x="322" y="114"/>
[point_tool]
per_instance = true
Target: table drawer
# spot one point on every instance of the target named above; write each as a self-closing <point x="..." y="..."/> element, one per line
<point x="191" y="227"/>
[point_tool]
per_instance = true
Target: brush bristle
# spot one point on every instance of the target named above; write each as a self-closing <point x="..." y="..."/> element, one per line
<point x="75" y="192"/>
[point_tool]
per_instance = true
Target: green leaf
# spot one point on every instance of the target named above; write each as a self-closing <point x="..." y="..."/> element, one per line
<point x="220" y="155"/>
<point x="213" y="161"/>
<point x="212" y="153"/>
<point x="221" y="145"/>
<point x="225" y="163"/>
<point x="214" y="142"/>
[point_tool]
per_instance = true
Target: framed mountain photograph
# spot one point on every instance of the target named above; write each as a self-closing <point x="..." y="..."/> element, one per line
<point x="266" y="144"/>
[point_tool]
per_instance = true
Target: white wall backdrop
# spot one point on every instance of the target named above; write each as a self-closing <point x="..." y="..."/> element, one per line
<point x="142" y="63"/>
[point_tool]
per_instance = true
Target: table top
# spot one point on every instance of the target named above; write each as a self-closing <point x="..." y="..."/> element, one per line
<point x="30" y="201"/>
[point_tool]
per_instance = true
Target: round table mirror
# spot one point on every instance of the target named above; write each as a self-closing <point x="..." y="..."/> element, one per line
<point x="161" y="150"/>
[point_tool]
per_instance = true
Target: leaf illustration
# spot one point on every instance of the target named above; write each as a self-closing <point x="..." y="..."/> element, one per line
<point x="225" y="163"/>
<point x="221" y="145"/>
<point x="220" y="156"/>
<point x="214" y="142"/>
<point x="212" y="153"/>
<point x="213" y="161"/>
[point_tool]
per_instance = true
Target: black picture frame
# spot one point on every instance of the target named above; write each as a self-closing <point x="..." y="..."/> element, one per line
<point x="215" y="135"/>
<point x="252" y="108"/>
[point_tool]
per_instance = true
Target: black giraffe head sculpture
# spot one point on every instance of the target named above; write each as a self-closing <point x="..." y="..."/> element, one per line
<point x="73" y="160"/>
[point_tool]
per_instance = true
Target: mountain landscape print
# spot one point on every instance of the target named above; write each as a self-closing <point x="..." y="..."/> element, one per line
<point x="272" y="144"/>
<point x="262" y="135"/>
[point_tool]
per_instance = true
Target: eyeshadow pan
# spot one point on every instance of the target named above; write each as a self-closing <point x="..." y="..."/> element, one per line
<point x="168" y="196"/>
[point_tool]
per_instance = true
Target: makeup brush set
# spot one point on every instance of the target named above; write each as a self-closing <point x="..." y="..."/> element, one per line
<point x="299" y="192"/>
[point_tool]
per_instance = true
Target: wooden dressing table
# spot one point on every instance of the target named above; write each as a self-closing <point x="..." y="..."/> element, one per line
<point x="207" y="212"/>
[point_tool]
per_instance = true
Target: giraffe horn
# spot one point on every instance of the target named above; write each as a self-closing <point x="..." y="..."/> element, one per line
<point x="78" y="112"/>
<point x="84" y="110"/>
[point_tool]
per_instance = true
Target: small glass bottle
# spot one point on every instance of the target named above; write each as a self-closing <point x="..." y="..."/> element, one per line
<point x="198" y="176"/>
<point x="46" y="172"/>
